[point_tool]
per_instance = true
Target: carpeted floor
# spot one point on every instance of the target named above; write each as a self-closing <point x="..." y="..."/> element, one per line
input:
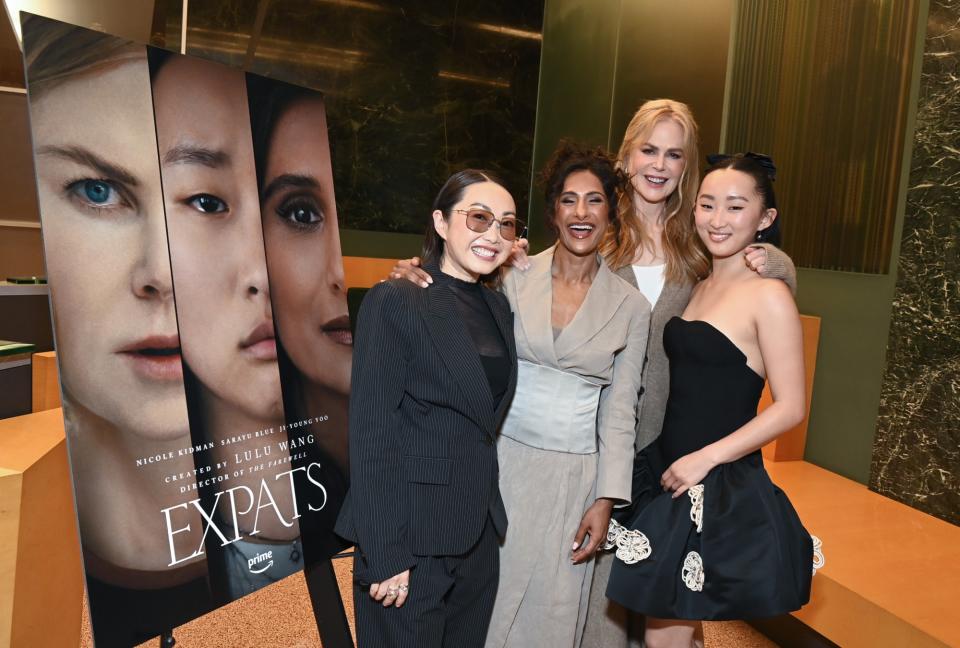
<point x="280" y="616"/>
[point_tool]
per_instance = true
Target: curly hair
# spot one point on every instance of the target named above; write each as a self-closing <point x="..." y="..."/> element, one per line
<point x="570" y="157"/>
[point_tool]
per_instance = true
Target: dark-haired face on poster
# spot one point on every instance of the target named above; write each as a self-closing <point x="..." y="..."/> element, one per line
<point x="300" y="229"/>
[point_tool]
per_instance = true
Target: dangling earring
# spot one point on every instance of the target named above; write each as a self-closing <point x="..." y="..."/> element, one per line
<point x="759" y="234"/>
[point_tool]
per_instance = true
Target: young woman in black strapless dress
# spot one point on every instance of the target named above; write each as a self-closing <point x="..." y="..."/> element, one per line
<point x="713" y="537"/>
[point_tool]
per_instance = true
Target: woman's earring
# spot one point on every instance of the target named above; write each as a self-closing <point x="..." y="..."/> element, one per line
<point x="759" y="234"/>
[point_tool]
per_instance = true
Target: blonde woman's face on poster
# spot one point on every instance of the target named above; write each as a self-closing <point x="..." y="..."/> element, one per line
<point x="106" y="247"/>
<point x="213" y="213"/>
<point x="303" y="247"/>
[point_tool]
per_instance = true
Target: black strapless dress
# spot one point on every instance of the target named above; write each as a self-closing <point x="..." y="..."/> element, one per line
<point x="732" y="547"/>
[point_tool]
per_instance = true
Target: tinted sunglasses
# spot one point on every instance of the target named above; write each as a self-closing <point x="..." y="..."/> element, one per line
<point x="480" y="220"/>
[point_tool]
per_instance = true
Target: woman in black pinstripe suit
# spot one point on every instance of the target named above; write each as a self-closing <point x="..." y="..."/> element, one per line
<point x="433" y="373"/>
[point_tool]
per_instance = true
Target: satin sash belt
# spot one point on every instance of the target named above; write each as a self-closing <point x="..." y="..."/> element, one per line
<point x="553" y="410"/>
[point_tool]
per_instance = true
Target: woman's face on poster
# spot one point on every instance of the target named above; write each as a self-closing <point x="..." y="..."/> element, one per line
<point x="303" y="247"/>
<point x="106" y="247"/>
<point x="213" y="214"/>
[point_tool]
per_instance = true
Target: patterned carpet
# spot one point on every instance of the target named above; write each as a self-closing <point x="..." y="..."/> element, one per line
<point x="280" y="616"/>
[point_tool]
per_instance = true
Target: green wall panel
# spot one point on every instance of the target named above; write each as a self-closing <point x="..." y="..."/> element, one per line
<point x="676" y="51"/>
<point x="577" y="67"/>
<point x="855" y="313"/>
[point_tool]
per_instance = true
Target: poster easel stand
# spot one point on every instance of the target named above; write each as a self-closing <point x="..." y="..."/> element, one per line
<point x="327" y="605"/>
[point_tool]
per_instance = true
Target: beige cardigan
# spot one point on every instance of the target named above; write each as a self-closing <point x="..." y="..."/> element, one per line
<point x="605" y="342"/>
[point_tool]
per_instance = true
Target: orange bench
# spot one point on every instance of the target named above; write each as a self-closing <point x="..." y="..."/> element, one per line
<point x="892" y="573"/>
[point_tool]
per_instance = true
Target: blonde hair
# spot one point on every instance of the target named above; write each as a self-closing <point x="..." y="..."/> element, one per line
<point x="55" y="52"/>
<point x="686" y="257"/>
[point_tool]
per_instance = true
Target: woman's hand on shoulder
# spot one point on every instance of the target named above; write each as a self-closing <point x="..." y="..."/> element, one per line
<point x="518" y="255"/>
<point x="770" y="262"/>
<point x="689" y="470"/>
<point x="410" y="270"/>
<point x="755" y="256"/>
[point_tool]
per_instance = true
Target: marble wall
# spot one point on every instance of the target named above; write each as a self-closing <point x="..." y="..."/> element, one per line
<point x="415" y="89"/>
<point x="916" y="455"/>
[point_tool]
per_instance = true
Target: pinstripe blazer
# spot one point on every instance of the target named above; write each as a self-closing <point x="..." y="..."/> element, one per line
<point x="423" y="459"/>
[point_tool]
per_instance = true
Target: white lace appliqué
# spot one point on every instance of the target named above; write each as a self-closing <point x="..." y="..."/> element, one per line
<point x="818" y="560"/>
<point x="613" y="532"/>
<point x="692" y="573"/>
<point x="632" y="546"/>
<point x="696" y="506"/>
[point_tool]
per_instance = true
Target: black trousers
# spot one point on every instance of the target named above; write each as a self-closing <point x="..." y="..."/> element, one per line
<point x="448" y="606"/>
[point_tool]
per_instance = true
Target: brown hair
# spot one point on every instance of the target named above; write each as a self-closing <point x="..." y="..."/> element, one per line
<point x="686" y="257"/>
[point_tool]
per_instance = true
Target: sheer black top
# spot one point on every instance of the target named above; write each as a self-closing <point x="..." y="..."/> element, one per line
<point x="485" y="335"/>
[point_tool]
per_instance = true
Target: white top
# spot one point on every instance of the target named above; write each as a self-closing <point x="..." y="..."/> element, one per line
<point x="650" y="280"/>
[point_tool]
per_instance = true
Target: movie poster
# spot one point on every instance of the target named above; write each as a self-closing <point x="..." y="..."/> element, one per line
<point x="200" y="317"/>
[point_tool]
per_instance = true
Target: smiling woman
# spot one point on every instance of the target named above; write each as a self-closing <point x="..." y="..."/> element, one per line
<point x="433" y="373"/>
<point x="712" y="537"/>
<point x="581" y="337"/>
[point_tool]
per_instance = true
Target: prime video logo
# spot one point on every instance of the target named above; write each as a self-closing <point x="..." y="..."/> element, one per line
<point x="259" y="559"/>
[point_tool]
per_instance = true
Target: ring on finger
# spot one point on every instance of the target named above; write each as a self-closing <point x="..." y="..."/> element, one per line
<point x="404" y="588"/>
